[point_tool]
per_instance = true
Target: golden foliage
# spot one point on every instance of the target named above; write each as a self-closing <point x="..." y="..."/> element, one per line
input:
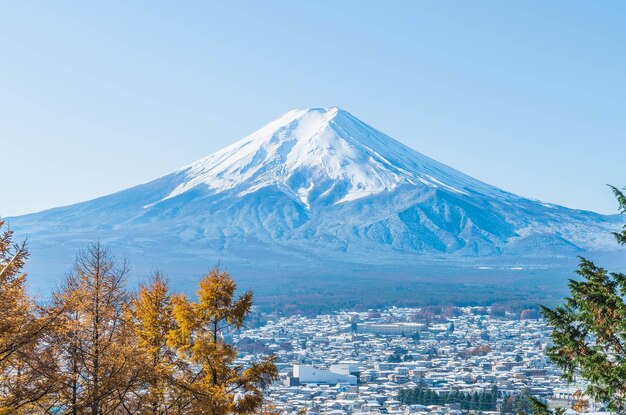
<point x="153" y="320"/>
<point x="213" y="384"/>
<point x="98" y="350"/>
<point x="24" y="357"/>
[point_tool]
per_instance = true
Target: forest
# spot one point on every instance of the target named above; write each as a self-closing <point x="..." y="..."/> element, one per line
<point x="98" y="348"/>
<point x="421" y="395"/>
<point x="488" y="400"/>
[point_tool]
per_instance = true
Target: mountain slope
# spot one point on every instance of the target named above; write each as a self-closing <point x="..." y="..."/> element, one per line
<point x="315" y="187"/>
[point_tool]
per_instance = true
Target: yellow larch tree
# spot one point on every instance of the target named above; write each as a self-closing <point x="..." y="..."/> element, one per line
<point x="97" y="359"/>
<point x="211" y="382"/>
<point x="24" y="357"/>
<point x="153" y="320"/>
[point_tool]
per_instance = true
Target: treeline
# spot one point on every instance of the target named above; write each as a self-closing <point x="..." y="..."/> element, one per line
<point x="98" y="349"/>
<point x="523" y="403"/>
<point x="315" y="296"/>
<point x="440" y="314"/>
<point x="478" y="401"/>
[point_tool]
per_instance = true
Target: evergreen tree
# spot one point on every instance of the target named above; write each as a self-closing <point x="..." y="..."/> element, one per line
<point x="453" y="397"/>
<point x="589" y="334"/>
<point x="213" y="385"/>
<point x="466" y="401"/>
<point x="523" y="403"/>
<point x="486" y="400"/>
<point x="495" y="394"/>
<point x="429" y="397"/>
<point x="507" y="405"/>
<point x="394" y="358"/>
<point x="474" y="400"/>
<point x="483" y="403"/>
<point x="419" y="396"/>
<point x="402" y="395"/>
<point x="541" y="408"/>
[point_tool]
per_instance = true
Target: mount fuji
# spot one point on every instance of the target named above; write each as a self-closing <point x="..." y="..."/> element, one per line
<point x="315" y="192"/>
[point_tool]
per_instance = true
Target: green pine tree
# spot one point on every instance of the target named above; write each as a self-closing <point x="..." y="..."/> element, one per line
<point x="474" y="401"/>
<point x="589" y="330"/>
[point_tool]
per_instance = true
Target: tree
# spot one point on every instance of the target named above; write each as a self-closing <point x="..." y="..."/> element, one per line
<point x="425" y="396"/>
<point x="507" y="405"/>
<point x="497" y="310"/>
<point x="589" y="329"/>
<point x="24" y="358"/>
<point x="211" y="382"/>
<point x="15" y="306"/>
<point x="394" y="358"/>
<point x="529" y="314"/>
<point x="97" y="353"/>
<point x="474" y="400"/>
<point x="541" y="408"/>
<point x="495" y="394"/>
<point x="96" y="350"/>
<point x="152" y="321"/>
<point x="523" y="403"/>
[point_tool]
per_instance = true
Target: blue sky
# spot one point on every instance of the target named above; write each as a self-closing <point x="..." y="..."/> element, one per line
<point x="98" y="96"/>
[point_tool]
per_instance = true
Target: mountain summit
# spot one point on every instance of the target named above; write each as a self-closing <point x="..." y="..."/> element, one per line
<point x="317" y="188"/>
<point x="322" y="156"/>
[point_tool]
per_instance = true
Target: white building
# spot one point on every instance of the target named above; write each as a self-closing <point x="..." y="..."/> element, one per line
<point x="407" y="329"/>
<point x="311" y="374"/>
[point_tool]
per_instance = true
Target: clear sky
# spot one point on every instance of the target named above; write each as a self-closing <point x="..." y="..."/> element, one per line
<point x="95" y="97"/>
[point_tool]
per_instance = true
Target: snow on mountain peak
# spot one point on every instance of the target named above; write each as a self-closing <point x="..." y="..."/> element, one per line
<point x="321" y="155"/>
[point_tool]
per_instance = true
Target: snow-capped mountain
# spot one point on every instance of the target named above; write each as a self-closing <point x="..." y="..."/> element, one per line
<point x="323" y="156"/>
<point x="317" y="186"/>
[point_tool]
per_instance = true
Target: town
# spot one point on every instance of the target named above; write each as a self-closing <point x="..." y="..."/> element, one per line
<point x="400" y="361"/>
